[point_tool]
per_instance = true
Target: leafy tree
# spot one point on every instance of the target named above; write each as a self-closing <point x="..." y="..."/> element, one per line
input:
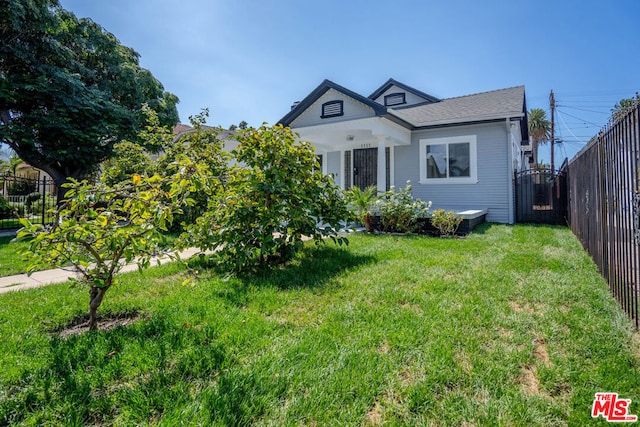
<point x="89" y="234"/>
<point x="268" y="201"/>
<point x="233" y="127"/>
<point x="69" y="90"/>
<point x="200" y="153"/>
<point x="539" y="130"/>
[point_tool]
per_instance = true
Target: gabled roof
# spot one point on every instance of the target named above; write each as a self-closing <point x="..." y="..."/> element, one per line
<point x="486" y="106"/>
<point x="391" y="82"/>
<point x="378" y="109"/>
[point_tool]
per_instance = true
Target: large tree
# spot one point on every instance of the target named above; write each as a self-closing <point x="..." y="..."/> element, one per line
<point x="69" y="90"/>
<point x="539" y="130"/>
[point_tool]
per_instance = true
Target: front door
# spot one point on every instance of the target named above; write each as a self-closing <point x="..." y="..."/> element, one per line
<point x="365" y="167"/>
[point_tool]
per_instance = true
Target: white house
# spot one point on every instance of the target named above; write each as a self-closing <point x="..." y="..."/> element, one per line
<point x="460" y="153"/>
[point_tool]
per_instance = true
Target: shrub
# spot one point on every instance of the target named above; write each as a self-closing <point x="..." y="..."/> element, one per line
<point x="265" y="207"/>
<point x="21" y="187"/>
<point x="36" y="207"/>
<point x="6" y="210"/>
<point x="399" y="211"/>
<point x="446" y="222"/>
<point x="18" y="208"/>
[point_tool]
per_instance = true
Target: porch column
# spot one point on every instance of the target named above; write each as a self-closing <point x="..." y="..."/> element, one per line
<point x="382" y="164"/>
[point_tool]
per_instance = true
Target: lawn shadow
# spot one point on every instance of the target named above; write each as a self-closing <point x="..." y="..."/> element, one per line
<point x="312" y="268"/>
<point x="482" y="228"/>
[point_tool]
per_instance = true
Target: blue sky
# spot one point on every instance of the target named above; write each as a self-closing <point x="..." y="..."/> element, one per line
<point x="249" y="60"/>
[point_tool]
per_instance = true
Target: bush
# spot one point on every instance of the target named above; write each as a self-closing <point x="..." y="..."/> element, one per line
<point x="265" y="207"/>
<point x="6" y="210"/>
<point x="447" y="223"/>
<point x="21" y="187"/>
<point x="18" y="208"/>
<point x="36" y="207"/>
<point x="399" y="211"/>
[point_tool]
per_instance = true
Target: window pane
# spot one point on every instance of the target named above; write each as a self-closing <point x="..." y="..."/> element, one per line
<point x="459" y="160"/>
<point x="437" y="161"/>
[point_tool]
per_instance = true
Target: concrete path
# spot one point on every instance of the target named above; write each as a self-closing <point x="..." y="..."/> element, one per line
<point x="21" y="282"/>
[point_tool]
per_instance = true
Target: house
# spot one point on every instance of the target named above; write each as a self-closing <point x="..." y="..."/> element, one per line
<point x="460" y="153"/>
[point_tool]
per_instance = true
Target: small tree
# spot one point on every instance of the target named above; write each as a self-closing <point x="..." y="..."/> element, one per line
<point x="100" y="228"/>
<point x="362" y="204"/>
<point x="270" y="199"/>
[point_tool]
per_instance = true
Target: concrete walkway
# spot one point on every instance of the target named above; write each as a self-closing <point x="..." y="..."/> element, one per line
<point x="37" y="279"/>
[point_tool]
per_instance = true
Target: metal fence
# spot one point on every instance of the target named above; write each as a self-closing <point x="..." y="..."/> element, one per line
<point x="541" y="196"/>
<point x="25" y="198"/>
<point x="604" y="187"/>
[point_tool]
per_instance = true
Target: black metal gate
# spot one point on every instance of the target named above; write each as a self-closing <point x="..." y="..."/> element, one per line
<point x="541" y="196"/>
<point x="365" y="167"/>
<point x="29" y="198"/>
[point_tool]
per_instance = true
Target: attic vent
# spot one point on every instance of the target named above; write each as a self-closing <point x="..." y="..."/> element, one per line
<point x="332" y="109"/>
<point x="394" y="99"/>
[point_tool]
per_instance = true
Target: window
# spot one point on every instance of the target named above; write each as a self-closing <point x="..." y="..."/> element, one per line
<point x="332" y="109"/>
<point x="448" y="160"/>
<point x="394" y="99"/>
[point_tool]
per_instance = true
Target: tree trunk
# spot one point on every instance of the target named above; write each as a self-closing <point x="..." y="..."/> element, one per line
<point x="368" y="223"/>
<point x="96" y="295"/>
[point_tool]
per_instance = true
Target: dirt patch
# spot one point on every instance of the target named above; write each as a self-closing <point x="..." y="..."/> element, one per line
<point x="80" y="324"/>
<point x="540" y="351"/>
<point x="464" y="361"/>
<point x="530" y="381"/>
<point x="384" y="348"/>
<point x="504" y="333"/>
<point x="537" y="308"/>
<point x="375" y="416"/>
<point x="410" y="306"/>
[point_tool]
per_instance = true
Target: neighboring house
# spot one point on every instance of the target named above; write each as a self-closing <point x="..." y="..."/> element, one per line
<point x="460" y="153"/>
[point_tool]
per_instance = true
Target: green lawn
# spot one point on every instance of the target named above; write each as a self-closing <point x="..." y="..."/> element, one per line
<point x="511" y="326"/>
<point x="10" y="262"/>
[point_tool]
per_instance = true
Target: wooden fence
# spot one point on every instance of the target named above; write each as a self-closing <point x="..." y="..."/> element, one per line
<point x="604" y="191"/>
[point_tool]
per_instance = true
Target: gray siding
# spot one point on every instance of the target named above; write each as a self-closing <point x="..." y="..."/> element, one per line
<point x="494" y="188"/>
<point x="333" y="165"/>
<point x="352" y="110"/>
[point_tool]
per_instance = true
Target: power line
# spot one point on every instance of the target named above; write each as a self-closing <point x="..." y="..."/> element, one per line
<point x="584" y="109"/>
<point x="583" y="120"/>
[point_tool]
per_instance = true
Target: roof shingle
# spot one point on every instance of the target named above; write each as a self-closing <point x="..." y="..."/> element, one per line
<point x="497" y="104"/>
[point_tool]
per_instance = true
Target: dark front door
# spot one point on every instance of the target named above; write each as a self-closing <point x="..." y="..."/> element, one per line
<point x="365" y="167"/>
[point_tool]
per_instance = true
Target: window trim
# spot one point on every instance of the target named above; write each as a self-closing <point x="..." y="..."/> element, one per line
<point x="391" y="95"/>
<point x="329" y="103"/>
<point x="473" y="160"/>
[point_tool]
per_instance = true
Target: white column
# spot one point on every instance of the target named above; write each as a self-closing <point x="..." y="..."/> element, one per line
<point x="382" y="164"/>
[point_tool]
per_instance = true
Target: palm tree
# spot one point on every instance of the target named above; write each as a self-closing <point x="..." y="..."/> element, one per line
<point x="362" y="203"/>
<point x="14" y="162"/>
<point x="622" y="107"/>
<point x="539" y="130"/>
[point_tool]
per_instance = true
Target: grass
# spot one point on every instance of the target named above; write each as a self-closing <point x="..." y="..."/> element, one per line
<point x="511" y="326"/>
<point x="10" y="261"/>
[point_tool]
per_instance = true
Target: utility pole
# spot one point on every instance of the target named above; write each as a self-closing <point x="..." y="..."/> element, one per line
<point x="552" y="107"/>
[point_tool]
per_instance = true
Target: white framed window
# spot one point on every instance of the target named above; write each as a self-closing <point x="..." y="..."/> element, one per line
<point x="451" y="160"/>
